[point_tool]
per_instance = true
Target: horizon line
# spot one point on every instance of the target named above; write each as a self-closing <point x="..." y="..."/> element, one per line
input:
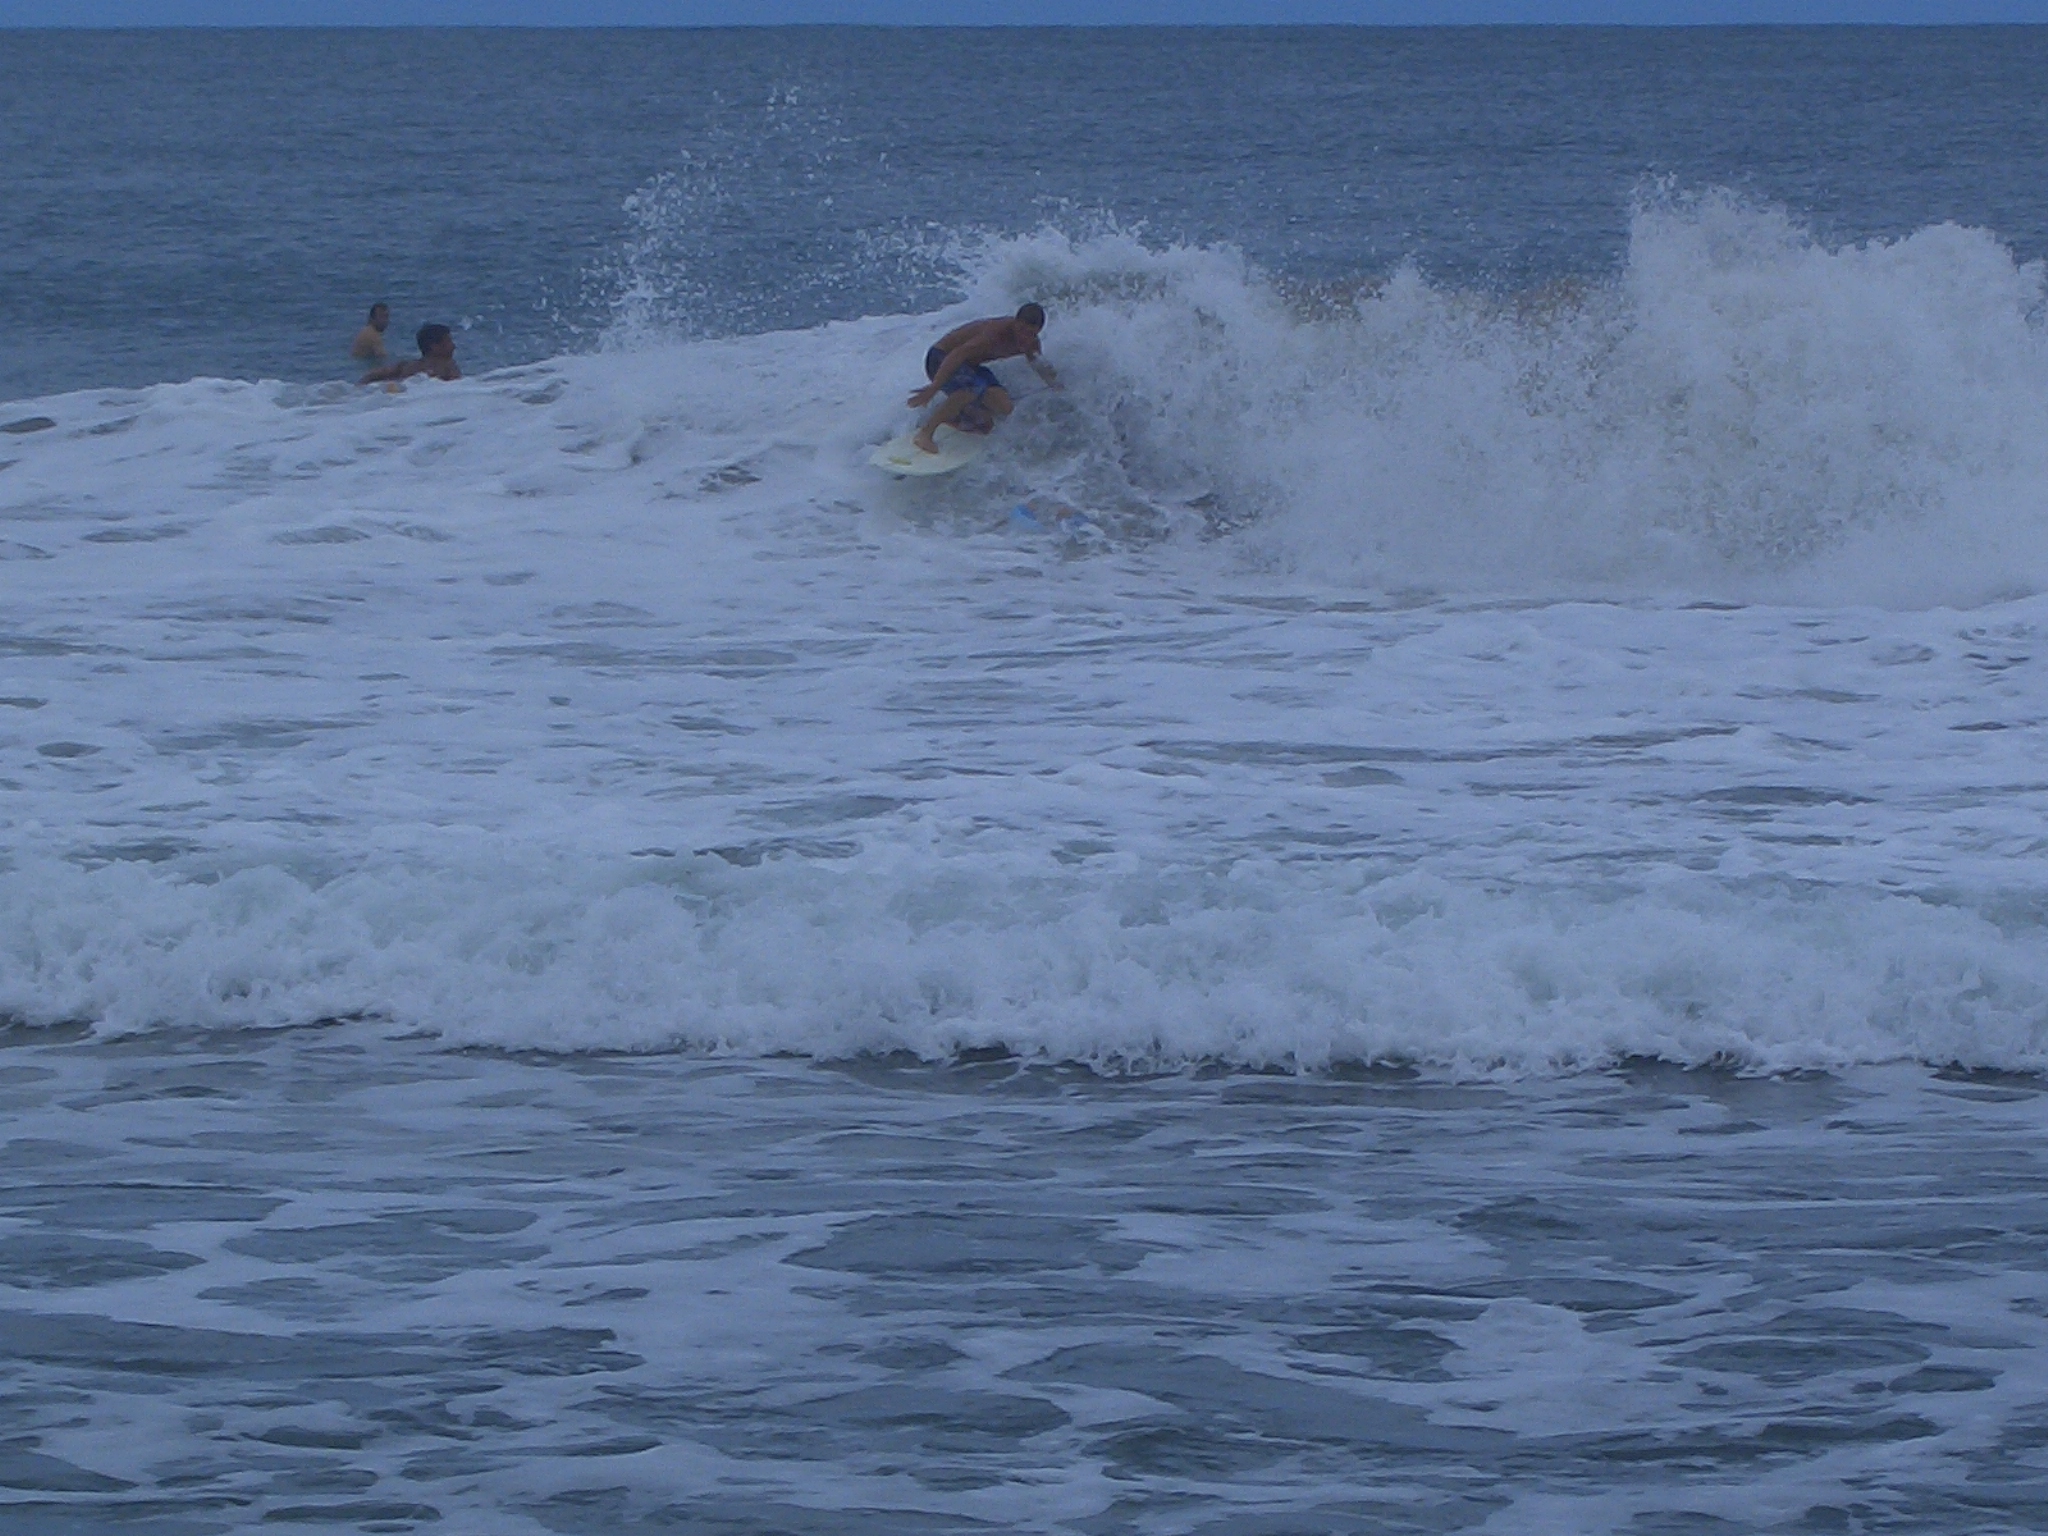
<point x="1012" y="26"/>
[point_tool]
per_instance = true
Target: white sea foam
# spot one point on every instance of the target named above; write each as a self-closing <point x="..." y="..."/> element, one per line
<point x="617" y="702"/>
<point x="1260" y="965"/>
<point x="1741" y="410"/>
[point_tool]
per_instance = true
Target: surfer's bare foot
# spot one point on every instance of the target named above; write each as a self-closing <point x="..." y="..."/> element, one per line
<point x="924" y="440"/>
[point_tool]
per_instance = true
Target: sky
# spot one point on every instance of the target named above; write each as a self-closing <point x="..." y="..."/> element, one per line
<point x="159" y="13"/>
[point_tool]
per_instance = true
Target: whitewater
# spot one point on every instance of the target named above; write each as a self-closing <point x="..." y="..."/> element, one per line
<point x="1440" y="683"/>
<point x="1463" y="951"/>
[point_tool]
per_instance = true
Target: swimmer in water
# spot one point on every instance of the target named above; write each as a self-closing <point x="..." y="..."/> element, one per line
<point x="436" y="359"/>
<point x="369" y="343"/>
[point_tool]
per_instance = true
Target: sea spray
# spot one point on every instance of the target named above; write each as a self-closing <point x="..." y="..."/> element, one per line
<point x="1741" y="410"/>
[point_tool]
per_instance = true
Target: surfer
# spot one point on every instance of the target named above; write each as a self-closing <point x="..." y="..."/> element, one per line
<point x="436" y="359"/>
<point x="957" y="365"/>
<point x="369" y="343"/>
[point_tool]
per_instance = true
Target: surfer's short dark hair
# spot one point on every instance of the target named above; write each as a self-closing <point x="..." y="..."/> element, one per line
<point x="380" y="304"/>
<point x="1032" y="316"/>
<point x="431" y="336"/>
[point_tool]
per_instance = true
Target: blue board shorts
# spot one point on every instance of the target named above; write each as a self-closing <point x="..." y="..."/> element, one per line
<point x="977" y="378"/>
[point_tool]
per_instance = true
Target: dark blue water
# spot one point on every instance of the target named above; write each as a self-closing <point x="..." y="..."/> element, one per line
<point x="229" y="202"/>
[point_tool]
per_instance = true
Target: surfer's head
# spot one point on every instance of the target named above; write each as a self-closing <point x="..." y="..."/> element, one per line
<point x="380" y="316"/>
<point x="433" y="337"/>
<point x="1032" y="316"/>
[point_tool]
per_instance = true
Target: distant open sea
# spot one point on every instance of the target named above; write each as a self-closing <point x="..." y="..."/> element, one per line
<point x="228" y="203"/>
<point x="1418" y="905"/>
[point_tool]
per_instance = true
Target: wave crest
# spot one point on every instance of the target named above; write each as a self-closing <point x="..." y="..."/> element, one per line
<point x="1256" y="964"/>
<point x="1740" y="408"/>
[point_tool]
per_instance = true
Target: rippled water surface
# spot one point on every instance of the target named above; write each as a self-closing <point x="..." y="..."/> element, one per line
<point x="415" y="1291"/>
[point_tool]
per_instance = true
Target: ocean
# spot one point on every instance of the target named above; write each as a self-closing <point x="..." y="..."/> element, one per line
<point x="1417" y="906"/>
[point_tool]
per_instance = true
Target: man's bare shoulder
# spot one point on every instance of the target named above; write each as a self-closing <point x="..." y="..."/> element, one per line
<point x="976" y="334"/>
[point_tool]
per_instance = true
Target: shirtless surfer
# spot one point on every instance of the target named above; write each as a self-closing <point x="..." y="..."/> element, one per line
<point x="369" y="343"/>
<point x="436" y="359"/>
<point x="957" y="365"/>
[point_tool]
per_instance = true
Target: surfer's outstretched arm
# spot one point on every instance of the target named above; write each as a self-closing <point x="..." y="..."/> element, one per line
<point x="1045" y="371"/>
